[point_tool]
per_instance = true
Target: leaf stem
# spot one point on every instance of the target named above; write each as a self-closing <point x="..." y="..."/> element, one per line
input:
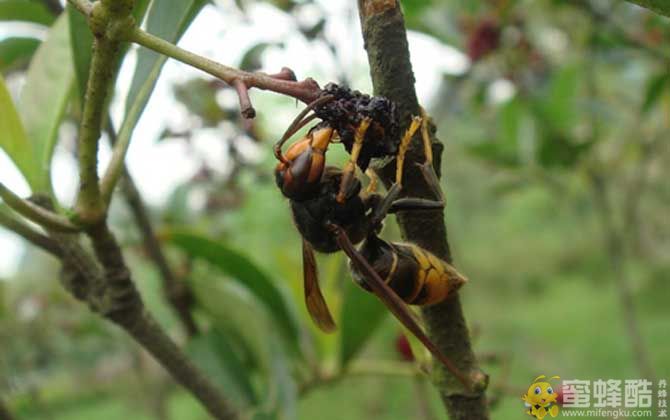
<point x="36" y="213"/>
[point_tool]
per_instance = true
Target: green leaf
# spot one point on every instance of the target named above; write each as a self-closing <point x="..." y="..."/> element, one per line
<point x="167" y="19"/>
<point x="216" y="355"/>
<point x="45" y="96"/>
<point x="655" y="87"/>
<point x="82" y="42"/>
<point x="251" y="60"/>
<point x="661" y="7"/>
<point x="243" y="270"/>
<point x="504" y="148"/>
<point x="26" y="10"/>
<point x="558" y="107"/>
<point x="199" y="98"/>
<point x="248" y="326"/>
<point x="16" y="52"/>
<point x="362" y="314"/>
<point x="556" y="150"/>
<point x="13" y="139"/>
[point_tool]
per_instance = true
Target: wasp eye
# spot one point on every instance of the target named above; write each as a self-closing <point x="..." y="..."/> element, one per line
<point x="538" y="391"/>
<point x="550" y="391"/>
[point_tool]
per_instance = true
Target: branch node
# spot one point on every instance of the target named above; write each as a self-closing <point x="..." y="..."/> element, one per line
<point x="242" y="90"/>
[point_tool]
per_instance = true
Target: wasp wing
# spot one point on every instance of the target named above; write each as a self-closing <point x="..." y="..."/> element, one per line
<point x="316" y="304"/>
<point x="397" y="307"/>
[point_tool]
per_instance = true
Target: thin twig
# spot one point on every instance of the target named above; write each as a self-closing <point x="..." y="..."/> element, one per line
<point x="358" y="369"/>
<point x="283" y="82"/>
<point x="176" y="292"/>
<point x="28" y="233"/>
<point x="614" y="246"/>
<point x="36" y="213"/>
<point x="90" y="208"/>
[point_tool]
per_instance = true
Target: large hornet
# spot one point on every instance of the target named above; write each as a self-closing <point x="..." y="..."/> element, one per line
<point x="333" y="212"/>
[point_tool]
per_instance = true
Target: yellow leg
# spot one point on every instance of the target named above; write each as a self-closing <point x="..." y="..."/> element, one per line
<point x="427" y="146"/>
<point x="372" y="186"/>
<point x="427" y="167"/>
<point x="404" y="144"/>
<point x="350" y="168"/>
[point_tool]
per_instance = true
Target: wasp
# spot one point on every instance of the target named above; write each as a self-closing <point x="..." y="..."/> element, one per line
<point x="333" y="212"/>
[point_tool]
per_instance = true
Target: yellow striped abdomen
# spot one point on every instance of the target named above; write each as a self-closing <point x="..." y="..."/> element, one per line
<point x="434" y="279"/>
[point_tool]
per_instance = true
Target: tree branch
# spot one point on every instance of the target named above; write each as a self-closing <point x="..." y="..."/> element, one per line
<point x="283" y="82"/>
<point x="28" y="233"/>
<point x="391" y="72"/>
<point x="107" y="20"/>
<point x="106" y="284"/>
<point x="110" y="292"/>
<point x="176" y="292"/>
<point x="34" y="213"/>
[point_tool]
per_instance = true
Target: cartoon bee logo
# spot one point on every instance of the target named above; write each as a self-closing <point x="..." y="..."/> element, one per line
<point x="540" y="400"/>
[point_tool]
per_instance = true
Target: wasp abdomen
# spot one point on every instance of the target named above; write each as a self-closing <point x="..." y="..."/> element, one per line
<point x="434" y="278"/>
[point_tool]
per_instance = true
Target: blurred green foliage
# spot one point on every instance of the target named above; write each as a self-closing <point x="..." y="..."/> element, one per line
<point x="559" y="95"/>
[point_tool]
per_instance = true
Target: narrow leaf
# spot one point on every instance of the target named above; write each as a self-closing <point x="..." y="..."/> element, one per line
<point x="243" y="270"/>
<point x="362" y="314"/>
<point x="559" y="107"/>
<point x="16" y="52"/>
<point x="251" y="331"/>
<point x="13" y="139"/>
<point x="45" y="96"/>
<point x="82" y="42"/>
<point x="655" y="87"/>
<point x="167" y="19"/>
<point x="81" y="39"/>
<point x="26" y="10"/>
<point x="216" y="355"/>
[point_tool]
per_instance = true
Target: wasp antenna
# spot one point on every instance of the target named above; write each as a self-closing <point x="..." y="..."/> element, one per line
<point x="299" y="122"/>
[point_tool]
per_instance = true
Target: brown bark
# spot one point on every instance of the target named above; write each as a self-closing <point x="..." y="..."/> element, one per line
<point x="391" y="71"/>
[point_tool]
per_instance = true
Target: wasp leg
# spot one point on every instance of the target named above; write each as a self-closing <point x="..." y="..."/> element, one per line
<point x="427" y="168"/>
<point x="411" y="204"/>
<point x="372" y="186"/>
<point x="349" y="170"/>
<point x="404" y="145"/>
<point x="397" y="307"/>
<point x="299" y="122"/>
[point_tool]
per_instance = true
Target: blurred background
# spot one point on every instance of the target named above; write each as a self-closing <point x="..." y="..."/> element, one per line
<point x="555" y="117"/>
